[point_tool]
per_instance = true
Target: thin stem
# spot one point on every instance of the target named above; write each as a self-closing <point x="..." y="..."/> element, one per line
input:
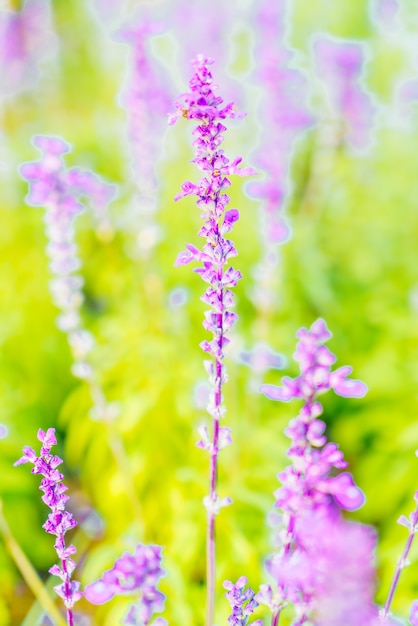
<point x="210" y="536"/>
<point x="210" y="570"/>
<point x="401" y="564"/>
<point x="28" y="572"/>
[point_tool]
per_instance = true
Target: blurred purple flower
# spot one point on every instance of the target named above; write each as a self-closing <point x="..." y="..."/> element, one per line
<point x="284" y="112"/>
<point x="133" y="573"/>
<point x="384" y="13"/>
<point x="146" y="101"/>
<point x="25" y="40"/>
<point x="59" y="190"/>
<point x="340" y="64"/>
<point x="59" y="520"/>
<point x="330" y="576"/>
<point x="262" y="358"/>
<point x="310" y="486"/>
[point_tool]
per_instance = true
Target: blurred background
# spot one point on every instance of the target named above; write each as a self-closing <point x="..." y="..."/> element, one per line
<point x="328" y="229"/>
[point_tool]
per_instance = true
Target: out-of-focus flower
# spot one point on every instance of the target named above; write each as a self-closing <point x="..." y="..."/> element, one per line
<point x="340" y="65"/>
<point x="133" y="573"/>
<point x="60" y="190"/>
<point x="26" y="39"/>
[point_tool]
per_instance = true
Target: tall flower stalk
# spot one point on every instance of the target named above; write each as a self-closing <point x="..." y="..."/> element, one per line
<point x="310" y="499"/>
<point x="202" y="105"/>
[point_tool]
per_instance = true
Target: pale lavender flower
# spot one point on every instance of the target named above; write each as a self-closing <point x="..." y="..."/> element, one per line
<point x="284" y="112"/>
<point x="201" y="104"/>
<point x="137" y="573"/>
<point x="59" y="190"/>
<point x="340" y="66"/>
<point x="242" y="602"/>
<point x="262" y="358"/>
<point x="385" y="13"/>
<point x="4" y="431"/>
<point x="146" y="101"/>
<point x="25" y="40"/>
<point x="59" y="520"/>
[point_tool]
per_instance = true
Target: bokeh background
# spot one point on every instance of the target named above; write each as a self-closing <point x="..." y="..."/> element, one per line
<point x="349" y="180"/>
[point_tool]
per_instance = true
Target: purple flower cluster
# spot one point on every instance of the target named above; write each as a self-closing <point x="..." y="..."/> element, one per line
<point x="133" y="573"/>
<point x="307" y="482"/>
<point x="242" y="602"/>
<point x="59" y="520"/>
<point x="310" y="489"/>
<point x="59" y="190"/>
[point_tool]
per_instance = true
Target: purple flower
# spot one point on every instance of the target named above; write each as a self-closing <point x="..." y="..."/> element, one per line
<point x="133" y="573"/>
<point x="59" y="520"/>
<point x="202" y="105"/>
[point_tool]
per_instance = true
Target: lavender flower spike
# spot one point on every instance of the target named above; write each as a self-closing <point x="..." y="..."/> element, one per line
<point x="309" y="486"/>
<point x="59" y="520"/>
<point x="202" y="105"/>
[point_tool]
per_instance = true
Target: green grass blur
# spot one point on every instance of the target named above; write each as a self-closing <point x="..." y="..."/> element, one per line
<point x="352" y="260"/>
